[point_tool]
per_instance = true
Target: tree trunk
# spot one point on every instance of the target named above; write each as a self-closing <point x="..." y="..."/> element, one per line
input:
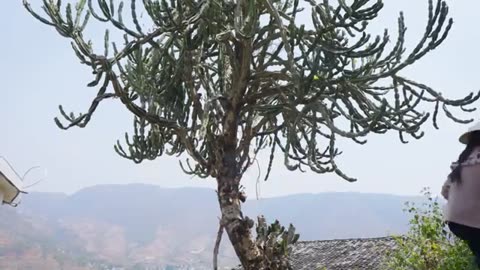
<point x="237" y="226"/>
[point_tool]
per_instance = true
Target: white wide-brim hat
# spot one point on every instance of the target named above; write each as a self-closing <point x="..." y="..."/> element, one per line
<point x="466" y="136"/>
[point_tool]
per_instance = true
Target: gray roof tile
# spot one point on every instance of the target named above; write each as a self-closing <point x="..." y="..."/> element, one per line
<point x="344" y="254"/>
<point x="352" y="254"/>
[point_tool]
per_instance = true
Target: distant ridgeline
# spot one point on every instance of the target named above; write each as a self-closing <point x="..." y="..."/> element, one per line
<point x="170" y="228"/>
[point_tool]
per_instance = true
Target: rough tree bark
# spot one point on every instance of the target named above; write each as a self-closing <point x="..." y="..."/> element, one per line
<point x="230" y="198"/>
<point x="237" y="226"/>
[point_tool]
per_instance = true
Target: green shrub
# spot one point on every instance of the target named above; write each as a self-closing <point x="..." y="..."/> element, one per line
<point x="429" y="244"/>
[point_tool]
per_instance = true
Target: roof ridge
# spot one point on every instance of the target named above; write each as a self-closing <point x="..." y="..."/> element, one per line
<point x="352" y="239"/>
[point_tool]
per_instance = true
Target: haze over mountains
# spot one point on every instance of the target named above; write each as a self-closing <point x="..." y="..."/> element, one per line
<point x="139" y="226"/>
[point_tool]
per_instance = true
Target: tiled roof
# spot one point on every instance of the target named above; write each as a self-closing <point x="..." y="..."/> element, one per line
<point x="351" y="254"/>
<point x="345" y="254"/>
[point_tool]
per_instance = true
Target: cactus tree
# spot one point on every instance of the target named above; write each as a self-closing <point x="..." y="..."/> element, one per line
<point x="222" y="80"/>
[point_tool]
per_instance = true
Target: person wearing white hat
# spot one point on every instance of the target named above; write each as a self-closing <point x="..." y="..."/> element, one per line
<point x="462" y="192"/>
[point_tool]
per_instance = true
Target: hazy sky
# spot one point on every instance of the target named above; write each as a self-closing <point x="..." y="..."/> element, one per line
<point x="38" y="71"/>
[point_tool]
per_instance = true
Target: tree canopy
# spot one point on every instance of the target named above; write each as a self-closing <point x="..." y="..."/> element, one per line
<point x="293" y="87"/>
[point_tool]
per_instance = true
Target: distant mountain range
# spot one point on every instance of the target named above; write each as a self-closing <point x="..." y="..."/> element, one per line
<point x="148" y="227"/>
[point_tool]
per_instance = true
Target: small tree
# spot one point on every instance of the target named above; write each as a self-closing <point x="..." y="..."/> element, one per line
<point x="429" y="244"/>
<point x="220" y="80"/>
